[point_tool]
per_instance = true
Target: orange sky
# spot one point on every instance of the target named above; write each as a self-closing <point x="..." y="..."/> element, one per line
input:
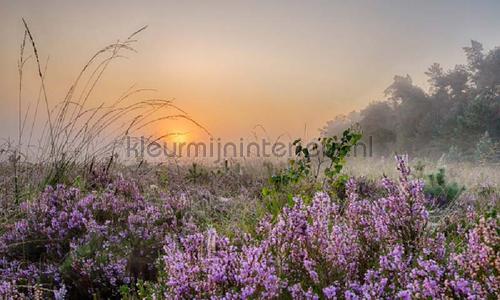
<point x="232" y="65"/>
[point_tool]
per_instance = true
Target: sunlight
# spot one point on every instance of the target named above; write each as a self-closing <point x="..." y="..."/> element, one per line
<point x="179" y="137"/>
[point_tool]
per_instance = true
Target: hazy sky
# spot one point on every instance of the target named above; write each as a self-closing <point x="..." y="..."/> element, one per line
<point x="235" y="64"/>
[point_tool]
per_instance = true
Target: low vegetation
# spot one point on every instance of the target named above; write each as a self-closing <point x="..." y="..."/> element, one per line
<point x="78" y="223"/>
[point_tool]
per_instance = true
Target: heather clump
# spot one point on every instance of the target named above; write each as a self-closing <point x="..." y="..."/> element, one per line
<point x="208" y="265"/>
<point x="124" y="240"/>
<point x="93" y="243"/>
<point x="364" y="248"/>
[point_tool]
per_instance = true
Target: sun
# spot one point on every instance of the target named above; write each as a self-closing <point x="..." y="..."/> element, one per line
<point x="181" y="137"/>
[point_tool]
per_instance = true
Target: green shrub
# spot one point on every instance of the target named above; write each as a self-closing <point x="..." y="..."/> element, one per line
<point x="440" y="191"/>
<point x="301" y="177"/>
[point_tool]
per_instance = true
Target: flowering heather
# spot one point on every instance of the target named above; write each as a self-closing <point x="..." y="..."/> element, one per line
<point x="123" y="241"/>
<point x="85" y="243"/>
<point x="365" y="249"/>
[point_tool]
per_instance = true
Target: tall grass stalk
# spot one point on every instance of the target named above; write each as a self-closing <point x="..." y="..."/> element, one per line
<point x="74" y="134"/>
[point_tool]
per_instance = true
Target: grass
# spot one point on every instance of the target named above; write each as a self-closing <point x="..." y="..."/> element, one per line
<point x="75" y="133"/>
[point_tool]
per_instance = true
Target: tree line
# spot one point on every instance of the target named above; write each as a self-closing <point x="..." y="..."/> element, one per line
<point x="459" y="115"/>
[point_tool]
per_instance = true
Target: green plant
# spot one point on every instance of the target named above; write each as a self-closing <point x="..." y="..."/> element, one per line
<point x="301" y="176"/>
<point x="439" y="190"/>
<point x="196" y="174"/>
<point x="337" y="149"/>
<point x="330" y="150"/>
<point x="298" y="168"/>
<point x="162" y="177"/>
<point x="143" y="290"/>
<point x="419" y="169"/>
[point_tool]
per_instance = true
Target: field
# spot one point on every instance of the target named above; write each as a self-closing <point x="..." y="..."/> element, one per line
<point x="79" y="220"/>
<point x="165" y="231"/>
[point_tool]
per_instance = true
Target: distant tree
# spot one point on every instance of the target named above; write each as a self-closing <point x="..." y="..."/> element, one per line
<point x="337" y="126"/>
<point x="461" y="105"/>
<point x="486" y="149"/>
<point x="379" y="123"/>
<point x="484" y="68"/>
<point x="411" y="104"/>
<point x="481" y="114"/>
<point x="454" y="154"/>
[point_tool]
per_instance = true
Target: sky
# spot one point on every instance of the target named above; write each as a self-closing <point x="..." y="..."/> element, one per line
<point x="288" y="66"/>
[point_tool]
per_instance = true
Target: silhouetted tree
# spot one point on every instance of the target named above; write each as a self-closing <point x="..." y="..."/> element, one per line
<point x="462" y="104"/>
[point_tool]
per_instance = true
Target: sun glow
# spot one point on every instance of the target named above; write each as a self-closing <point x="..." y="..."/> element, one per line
<point x="180" y="137"/>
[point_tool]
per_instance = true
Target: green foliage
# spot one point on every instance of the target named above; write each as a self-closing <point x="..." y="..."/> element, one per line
<point x="144" y="290"/>
<point x="298" y="168"/>
<point x="79" y="182"/>
<point x="338" y="185"/>
<point x="440" y="190"/>
<point x="336" y="150"/>
<point x="491" y="213"/>
<point x="196" y="174"/>
<point x="333" y="149"/>
<point x="301" y="176"/>
<point x="58" y="173"/>
<point x="419" y="169"/>
<point x="163" y="178"/>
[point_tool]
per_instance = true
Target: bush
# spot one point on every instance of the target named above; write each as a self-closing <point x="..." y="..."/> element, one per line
<point x="88" y="244"/>
<point x="301" y="178"/>
<point x="441" y="192"/>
